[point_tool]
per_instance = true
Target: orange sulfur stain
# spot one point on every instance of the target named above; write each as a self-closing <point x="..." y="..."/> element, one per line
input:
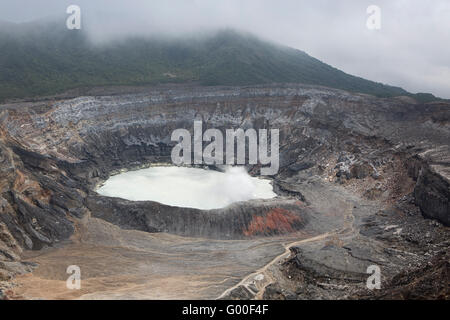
<point x="276" y="221"/>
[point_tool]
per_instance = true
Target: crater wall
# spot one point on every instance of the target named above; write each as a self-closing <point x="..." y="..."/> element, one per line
<point x="53" y="153"/>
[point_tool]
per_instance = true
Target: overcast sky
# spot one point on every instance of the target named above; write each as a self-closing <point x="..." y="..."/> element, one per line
<point x="411" y="50"/>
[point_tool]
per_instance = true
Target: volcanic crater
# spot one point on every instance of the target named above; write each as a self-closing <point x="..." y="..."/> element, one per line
<point x="362" y="181"/>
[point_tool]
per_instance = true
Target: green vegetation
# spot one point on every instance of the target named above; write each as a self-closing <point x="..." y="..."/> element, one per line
<point x="42" y="59"/>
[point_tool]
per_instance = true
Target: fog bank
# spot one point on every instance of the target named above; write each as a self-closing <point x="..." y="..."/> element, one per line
<point x="411" y="50"/>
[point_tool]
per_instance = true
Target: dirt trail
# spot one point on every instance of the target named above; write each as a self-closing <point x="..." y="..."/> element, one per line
<point x="250" y="279"/>
<point x="263" y="277"/>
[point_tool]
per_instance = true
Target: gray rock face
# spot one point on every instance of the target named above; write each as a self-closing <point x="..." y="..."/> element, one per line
<point x="236" y="221"/>
<point x="432" y="194"/>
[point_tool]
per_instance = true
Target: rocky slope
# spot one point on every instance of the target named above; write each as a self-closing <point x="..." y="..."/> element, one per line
<point x="54" y="153"/>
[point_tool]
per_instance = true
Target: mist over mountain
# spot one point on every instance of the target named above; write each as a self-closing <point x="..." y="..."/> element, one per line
<point x="44" y="58"/>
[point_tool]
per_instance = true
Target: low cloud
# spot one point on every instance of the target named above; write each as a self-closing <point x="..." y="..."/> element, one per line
<point x="411" y="50"/>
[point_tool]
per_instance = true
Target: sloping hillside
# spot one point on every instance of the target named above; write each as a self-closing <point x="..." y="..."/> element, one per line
<point x="45" y="58"/>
